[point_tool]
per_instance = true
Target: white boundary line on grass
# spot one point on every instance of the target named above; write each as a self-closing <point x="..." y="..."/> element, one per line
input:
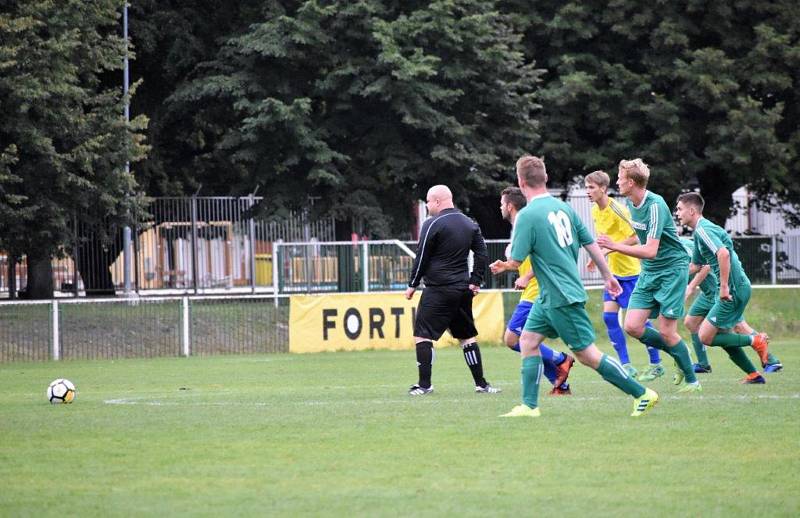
<point x="162" y="402"/>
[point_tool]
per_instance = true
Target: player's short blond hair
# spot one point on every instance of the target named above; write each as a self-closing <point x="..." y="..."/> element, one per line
<point x="532" y="170"/>
<point x="636" y="170"/>
<point x="599" y="178"/>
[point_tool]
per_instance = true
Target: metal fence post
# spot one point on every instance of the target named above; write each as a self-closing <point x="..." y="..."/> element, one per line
<point x="55" y="344"/>
<point x="75" y="256"/>
<point x="276" y="287"/>
<point x="135" y="259"/>
<point x="365" y="268"/>
<point x="126" y="231"/>
<point x="126" y="260"/>
<point x="185" y="327"/>
<point x="774" y="256"/>
<point x="307" y="268"/>
<point x="194" y="243"/>
<point x="252" y="229"/>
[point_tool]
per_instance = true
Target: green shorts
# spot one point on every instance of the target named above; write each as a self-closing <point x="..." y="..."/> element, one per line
<point x="702" y="305"/>
<point x="661" y="291"/>
<point x="725" y="314"/>
<point x="570" y="323"/>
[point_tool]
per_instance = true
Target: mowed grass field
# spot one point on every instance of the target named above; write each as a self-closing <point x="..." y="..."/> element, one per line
<point x="335" y="434"/>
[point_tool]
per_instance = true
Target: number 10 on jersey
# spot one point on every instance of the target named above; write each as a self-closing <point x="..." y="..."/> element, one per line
<point x="561" y="224"/>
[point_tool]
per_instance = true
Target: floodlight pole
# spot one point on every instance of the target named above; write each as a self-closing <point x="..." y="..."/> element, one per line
<point x="126" y="231"/>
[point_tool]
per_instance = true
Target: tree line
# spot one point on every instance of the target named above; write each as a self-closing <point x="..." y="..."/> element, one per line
<point x="364" y="104"/>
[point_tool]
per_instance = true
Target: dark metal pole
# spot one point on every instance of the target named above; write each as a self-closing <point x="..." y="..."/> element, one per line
<point x="75" y="256"/>
<point x="126" y="231"/>
<point x="194" y="243"/>
<point x="251" y="224"/>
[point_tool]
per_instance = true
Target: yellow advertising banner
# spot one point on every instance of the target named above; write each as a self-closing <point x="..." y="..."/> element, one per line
<point x="357" y="321"/>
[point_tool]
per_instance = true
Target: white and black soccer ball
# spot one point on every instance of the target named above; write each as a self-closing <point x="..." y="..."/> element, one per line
<point x="61" y="391"/>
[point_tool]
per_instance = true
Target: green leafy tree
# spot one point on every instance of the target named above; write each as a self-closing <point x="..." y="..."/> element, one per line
<point x="360" y="104"/>
<point x="171" y="38"/>
<point x="65" y="141"/>
<point x="706" y="93"/>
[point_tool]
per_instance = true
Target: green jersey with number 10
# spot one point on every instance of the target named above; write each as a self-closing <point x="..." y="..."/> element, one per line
<point x="550" y="232"/>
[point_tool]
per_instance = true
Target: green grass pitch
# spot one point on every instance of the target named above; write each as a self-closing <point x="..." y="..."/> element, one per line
<point x="335" y="434"/>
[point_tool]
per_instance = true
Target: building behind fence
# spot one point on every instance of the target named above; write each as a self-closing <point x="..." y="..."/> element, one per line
<point x="186" y="245"/>
<point x="210" y="245"/>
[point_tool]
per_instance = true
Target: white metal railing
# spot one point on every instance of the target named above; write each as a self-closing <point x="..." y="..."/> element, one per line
<point x="142" y="326"/>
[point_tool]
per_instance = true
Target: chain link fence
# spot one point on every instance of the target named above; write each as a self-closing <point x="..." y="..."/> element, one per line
<point x="206" y="325"/>
<point x="90" y="329"/>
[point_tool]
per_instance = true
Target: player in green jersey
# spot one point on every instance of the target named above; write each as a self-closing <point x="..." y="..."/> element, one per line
<point x="550" y="232"/>
<point x="665" y="270"/>
<point x="714" y="247"/>
<point x="706" y="281"/>
<point x="700" y="277"/>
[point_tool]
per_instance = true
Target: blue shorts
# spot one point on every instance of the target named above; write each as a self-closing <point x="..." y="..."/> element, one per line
<point x="519" y="317"/>
<point x="627" y="283"/>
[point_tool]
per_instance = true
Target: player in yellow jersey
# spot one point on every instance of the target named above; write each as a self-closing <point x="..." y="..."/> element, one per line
<point x="612" y="218"/>
<point x="556" y="364"/>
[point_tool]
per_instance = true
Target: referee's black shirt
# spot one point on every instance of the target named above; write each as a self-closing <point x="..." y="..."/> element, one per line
<point x="444" y="245"/>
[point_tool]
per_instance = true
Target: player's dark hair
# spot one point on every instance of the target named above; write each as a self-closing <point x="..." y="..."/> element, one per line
<point x="694" y="199"/>
<point x="514" y="196"/>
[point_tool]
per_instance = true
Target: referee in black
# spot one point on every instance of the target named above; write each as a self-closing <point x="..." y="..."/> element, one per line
<point x="445" y="241"/>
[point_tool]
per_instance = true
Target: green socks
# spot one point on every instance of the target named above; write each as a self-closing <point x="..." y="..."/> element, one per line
<point x="653" y="338"/>
<point x="741" y="360"/>
<point x="731" y="340"/>
<point x="700" y="350"/>
<point x="531" y="374"/>
<point x="679" y="352"/>
<point x="611" y="371"/>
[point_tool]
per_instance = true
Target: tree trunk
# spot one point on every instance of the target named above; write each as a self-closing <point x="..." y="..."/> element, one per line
<point x="40" y="276"/>
<point x="12" y="276"/>
<point x="94" y="264"/>
<point x="717" y="190"/>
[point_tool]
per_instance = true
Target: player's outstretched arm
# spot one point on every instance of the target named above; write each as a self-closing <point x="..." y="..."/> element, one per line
<point x="645" y="251"/>
<point x="522" y="282"/>
<point x="500" y="266"/>
<point x="701" y="272"/>
<point x="724" y="258"/>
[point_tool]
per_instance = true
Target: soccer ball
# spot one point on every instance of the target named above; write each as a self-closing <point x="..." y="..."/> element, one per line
<point x="61" y="391"/>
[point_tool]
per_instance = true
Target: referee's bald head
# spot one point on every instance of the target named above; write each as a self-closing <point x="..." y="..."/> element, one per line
<point x="440" y="192"/>
<point x="439" y="198"/>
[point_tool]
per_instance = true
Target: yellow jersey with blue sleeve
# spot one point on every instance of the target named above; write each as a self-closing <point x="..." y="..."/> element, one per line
<point x="615" y="222"/>
<point x="531" y="291"/>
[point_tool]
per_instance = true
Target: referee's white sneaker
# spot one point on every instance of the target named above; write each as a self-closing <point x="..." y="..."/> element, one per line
<point x="488" y="389"/>
<point x="416" y="390"/>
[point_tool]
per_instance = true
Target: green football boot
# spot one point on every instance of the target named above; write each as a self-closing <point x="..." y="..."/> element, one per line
<point x="652" y="372"/>
<point x="631" y="370"/>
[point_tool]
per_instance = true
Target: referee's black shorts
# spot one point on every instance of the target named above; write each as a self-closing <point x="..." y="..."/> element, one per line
<point x="445" y="307"/>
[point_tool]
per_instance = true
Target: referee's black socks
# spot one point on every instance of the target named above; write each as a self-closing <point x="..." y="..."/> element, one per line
<point x="472" y="354"/>
<point x="425" y="362"/>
